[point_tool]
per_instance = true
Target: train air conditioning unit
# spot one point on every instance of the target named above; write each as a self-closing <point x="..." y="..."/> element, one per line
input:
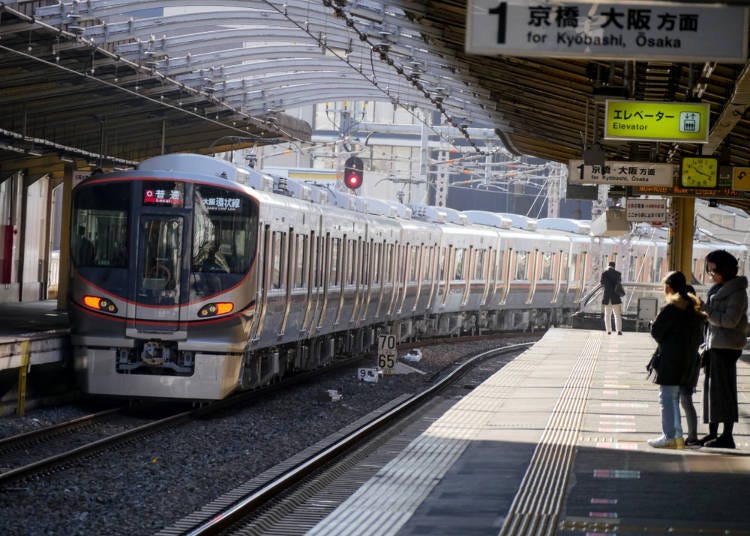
<point x="612" y="223"/>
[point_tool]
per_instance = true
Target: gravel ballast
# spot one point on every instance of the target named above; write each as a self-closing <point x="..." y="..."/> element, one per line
<point x="141" y="488"/>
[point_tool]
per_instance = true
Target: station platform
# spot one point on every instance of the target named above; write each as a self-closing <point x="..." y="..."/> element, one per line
<point x="38" y="323"/>
<point x="555" y="443"/>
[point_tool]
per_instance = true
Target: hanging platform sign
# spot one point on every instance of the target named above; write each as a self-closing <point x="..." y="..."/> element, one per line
<point x="653" y="211"/>
<point x="621" y="173"/>
<point x="656" y="121"/>
<point x="608" y="30"/>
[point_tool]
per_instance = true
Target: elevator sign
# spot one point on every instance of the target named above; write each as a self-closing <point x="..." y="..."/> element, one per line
<point x="656" y="121"/>
<point x="608" y="30"/>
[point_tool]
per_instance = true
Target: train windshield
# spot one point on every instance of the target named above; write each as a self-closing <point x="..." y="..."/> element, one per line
<point x="99" y="235"/>
<point x="223" y="239"/>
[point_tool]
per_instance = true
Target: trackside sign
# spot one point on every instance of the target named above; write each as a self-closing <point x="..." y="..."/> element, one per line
<point x="608" y="30"/>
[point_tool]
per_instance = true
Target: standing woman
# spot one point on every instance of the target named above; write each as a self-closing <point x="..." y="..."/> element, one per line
<point x="726" y="335"/>
<point x="676" y="329"/>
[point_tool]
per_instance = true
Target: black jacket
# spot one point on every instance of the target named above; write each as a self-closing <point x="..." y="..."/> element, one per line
<point x="610" y="278"/>
<point x="678" y="330"/>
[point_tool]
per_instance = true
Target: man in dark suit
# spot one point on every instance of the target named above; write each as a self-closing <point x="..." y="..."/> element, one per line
<point x="610" y="299"/>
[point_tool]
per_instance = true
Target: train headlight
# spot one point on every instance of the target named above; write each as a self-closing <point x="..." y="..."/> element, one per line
<point x="99" y="304"/>
<point x="215" y="309"/>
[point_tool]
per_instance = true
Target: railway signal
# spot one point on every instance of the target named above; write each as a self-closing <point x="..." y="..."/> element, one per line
<point x="353" y="172"/>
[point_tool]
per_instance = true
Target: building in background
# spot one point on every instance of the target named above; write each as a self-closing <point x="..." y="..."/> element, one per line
<point x="410" y="157"/>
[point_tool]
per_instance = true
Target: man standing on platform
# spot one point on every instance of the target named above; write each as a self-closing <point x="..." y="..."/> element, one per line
<point x="611" y="280"/>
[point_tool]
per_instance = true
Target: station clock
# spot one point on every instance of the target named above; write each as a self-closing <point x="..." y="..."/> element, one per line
<point x="699" y="172"/>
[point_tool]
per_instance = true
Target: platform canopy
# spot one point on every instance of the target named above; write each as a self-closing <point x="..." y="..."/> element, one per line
<point x="116" y="81"/>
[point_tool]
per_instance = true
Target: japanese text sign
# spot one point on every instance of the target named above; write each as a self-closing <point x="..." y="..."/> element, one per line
<point x="621" y="173"/>
<point x="656" y="121"/>
<point x="646" y="210"/>
<point x="610" y="30"/>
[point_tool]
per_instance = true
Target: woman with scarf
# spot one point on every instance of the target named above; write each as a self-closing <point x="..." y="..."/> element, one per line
<point x="726" y="336"/>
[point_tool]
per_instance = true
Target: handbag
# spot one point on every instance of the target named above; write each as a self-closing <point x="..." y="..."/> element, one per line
<point x="703" y="355"/>
<point x="653" y="364"/>
<point x="619" y="290"/>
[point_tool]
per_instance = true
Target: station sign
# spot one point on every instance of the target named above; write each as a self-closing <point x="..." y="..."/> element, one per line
<point x="608" y="30"/>
<point x="621" y="173"/>
<point x="656" y="121"/>
<point x="653" y="211"/>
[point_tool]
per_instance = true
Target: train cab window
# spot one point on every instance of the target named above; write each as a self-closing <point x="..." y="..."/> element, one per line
<point x="224" y="242"/>
<point x="522" y="265"/>
<point x="160" y="260"/>
<point x="99" y="235"/>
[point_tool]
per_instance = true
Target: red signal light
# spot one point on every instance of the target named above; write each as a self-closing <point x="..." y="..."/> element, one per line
<point x="353" y="180"/>
<point x="353" y="172"/>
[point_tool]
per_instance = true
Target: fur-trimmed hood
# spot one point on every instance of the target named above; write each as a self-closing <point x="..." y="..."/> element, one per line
<point x="681" y="303"/>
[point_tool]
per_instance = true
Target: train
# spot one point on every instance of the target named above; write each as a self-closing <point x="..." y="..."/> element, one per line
<point x="193" y="278"/>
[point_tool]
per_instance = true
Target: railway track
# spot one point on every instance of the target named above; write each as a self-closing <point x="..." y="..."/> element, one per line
<point x="275" y="497"/>
<point x="71" y="437"/>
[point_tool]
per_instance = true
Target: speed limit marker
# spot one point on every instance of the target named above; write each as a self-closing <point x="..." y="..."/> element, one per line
<point x="386" y="353"/>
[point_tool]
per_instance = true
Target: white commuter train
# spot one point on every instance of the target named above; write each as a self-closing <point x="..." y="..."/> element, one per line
<point x="192" y="278"/>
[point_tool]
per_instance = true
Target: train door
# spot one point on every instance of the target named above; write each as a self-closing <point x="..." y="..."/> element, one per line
<point x="159" y="283"/>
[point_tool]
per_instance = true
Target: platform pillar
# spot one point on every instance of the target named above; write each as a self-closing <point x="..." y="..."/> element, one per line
<point x="680" y="245"/>
<point x="67" y="203"/>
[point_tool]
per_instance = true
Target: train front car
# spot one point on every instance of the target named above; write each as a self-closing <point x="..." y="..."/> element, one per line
<point x="162" y="291"/>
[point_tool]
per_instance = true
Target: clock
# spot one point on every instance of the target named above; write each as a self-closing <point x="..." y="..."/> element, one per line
<point x="699" y="172"/>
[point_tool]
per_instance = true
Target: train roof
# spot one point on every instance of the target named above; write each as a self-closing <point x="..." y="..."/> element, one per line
<point x="491" y="219"/>
<point x="567" y="225"/>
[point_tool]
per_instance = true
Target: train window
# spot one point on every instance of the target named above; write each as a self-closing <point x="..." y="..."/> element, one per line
<point x="278" y="240"/>
<point x="429" y="259"/>
<point x="659" y="268"/>
<point x="333" y="277"/>
<point x="459" y="263"/>
<point x="99" y="234"/>
<point x="522" y="265"/>
<point x="564" y="271"/>
<point x="160" y="260"/>
<point x="546" y="273"/>
<point x="632" y="269"/>
<point x="352" y="262"/>
<point x="300" y="259"/>
<point x="320" y="255"/>
<point x="479" y="266"/>
<point x="413" y="260"/>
